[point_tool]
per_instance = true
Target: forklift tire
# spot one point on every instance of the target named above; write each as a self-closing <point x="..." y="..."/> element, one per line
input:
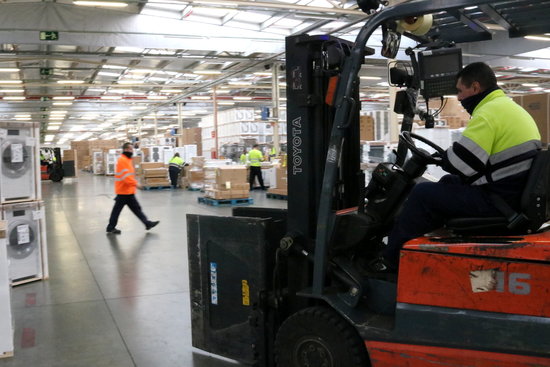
<point x="56" y="175"/>
<point x="319" y="337"/>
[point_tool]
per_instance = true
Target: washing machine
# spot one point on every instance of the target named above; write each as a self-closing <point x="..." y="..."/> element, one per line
<point x="25" y="240"/>
<point x="19" y="164"/>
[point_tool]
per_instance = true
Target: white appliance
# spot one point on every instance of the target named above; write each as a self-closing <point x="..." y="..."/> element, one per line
<point x="110" y="161"/>
<point x="25" y="241"/>
<point x="6" y="325"/>
<point x="156" y="153"/>
<point x="19" y="165"/>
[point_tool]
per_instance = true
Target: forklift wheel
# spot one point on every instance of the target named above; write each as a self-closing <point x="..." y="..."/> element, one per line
<point x="56" y="175"/>
<point x="319" y="337"/>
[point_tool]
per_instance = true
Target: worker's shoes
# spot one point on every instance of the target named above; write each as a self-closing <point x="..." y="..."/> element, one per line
<point x="150" y="224"/>
<point x="114" y="231"/>
<point x="381" y="265"/>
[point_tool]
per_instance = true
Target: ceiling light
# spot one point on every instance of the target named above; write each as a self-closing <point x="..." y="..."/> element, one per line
<point x="9" y="70"/>
<point x="239" y="83"/>
<point x="14" y="98"/>
<point x="282" y="84"/>
<point x="54" y="128"/>
<point x="100" y="90"/>
<point x="62" y="103"/>
<point x="49" y="137"/>
<point x="108" y="73"/>
<point x="125" y="82"/>
<point x="71" y="81"/>
<point x="12" y="90"/>
<point x="207" y="72"/>
<point x="238" y="98"/>
<point x="113" y="90"/>
<point x="170" y="91"/>
<point x="57" y="117"/>
<point x="10" y="82"/>
<point x="112" y="98"/>
<point x="226" y="103"/>
<point x="530" y="85"/>
<point x="537" y="89"/>
<point x="114" y="67"/>
<point x="22" y="118"/>
<point x="112" y="4"/>
<point x="263" y="73"/>
<point x="58" y="112"/>
<point x="537" y="38"/>
<point x="157" y="97"/>
<point x="204" y="98"/>
<point x="63" y="98"/>
<point x="370" y="77"/>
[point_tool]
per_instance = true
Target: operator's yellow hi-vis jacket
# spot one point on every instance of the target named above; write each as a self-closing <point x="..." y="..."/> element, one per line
<point x="255" y="157"/>
<point x="497" y="147"/>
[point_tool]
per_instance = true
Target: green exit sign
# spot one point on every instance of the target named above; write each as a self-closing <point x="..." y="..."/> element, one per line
<point x="49" y="35"/>
<point x="46" y="71"/>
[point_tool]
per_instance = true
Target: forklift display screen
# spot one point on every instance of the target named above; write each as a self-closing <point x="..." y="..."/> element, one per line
<point x="438" y="70"/>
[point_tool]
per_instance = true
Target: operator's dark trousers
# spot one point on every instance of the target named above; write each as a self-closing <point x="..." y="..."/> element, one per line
<point x="174" y="174"/>
<point x="256" y="172"/>
<point x="430" y="205"/>
<point x="134" y="206"/>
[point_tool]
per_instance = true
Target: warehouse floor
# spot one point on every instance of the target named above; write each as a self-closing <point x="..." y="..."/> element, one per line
<point x="111" y="300"/>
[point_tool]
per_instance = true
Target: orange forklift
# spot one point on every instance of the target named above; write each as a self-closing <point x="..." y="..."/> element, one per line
<point x="288" y="288"/>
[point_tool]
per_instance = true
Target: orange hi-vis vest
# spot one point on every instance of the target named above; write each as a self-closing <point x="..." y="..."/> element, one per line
<point x="125" y="182"/>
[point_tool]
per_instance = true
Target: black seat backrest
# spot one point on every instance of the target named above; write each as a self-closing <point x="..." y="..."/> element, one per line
<point x="535" y="200"/>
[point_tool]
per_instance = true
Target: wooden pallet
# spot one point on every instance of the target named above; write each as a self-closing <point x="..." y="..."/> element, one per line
<point x="26" y="280"/>
<point x="194" y="189"/>
<point x="226" y="202"/>
<point x="276" y="196"/>
<point x="6" y="355"/>
<point x="156" y="187"/>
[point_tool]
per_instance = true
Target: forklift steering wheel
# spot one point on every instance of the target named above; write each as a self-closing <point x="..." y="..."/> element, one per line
<point x="408" y="139"/>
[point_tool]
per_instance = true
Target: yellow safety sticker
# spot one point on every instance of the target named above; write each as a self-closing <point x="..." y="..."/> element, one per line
<point x="246" y="293"/>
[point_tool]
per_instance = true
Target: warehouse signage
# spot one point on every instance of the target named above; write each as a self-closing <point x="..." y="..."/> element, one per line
<point x="49" y="36"/>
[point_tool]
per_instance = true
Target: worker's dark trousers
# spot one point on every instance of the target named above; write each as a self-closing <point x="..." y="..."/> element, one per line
<point x="134" y="206"/>
<point x="430" y="204"/>
<point x="174" y="174"/>
<point x="256" y="172"/>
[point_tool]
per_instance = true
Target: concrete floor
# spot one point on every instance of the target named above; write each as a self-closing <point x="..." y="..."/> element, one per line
<point x="112" y="301"/>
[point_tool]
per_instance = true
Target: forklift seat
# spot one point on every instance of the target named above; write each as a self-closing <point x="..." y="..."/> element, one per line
<point x="535" y="207"/>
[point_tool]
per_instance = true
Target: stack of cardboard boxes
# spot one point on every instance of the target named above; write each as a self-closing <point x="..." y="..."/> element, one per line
<point x="366" y="128"/>
<point x="153" y="174"/>
<point x="538" y="106"/>
<point x="85" y="149"/>
<point x="230" y="183"/>
<point x="281" y="182"/>
<point x="191" y="136"/>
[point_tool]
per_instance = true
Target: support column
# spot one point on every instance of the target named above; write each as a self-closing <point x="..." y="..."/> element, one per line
<point x="215" y="101"/>
<point x="275" y="98"/>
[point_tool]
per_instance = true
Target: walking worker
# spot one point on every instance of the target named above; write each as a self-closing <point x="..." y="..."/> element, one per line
<point x="174" y="168"/>
<point x="256" y="157"/>
<point x="125" y="189"/>
<point x="244" y="157"/>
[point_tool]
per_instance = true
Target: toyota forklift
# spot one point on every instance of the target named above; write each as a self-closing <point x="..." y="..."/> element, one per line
<point x="288" y="288"/>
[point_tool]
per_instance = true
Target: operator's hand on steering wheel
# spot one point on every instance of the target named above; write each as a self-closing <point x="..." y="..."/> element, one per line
<point x="409" y="138"/>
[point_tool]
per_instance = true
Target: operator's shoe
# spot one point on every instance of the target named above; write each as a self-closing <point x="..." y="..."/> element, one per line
<point x="114" y="231"/>
<point x="381" y="265"/>
<point x="150" y="224"/>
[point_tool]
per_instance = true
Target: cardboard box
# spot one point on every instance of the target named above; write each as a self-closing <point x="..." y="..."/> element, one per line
<point x="229" y="175"/>
<point x="150" y="165"/>
<point x="278" y="191"/>
<point x="239" y="194"/>
<point x="136" y="161"/>
<point x="217" y="194"/>
<point x="366" y="128"/>
<point x="195" y="175"/>
<point x="69" y="155"/>
<point x="155" y="172"/>
<point x="538" y="106"/>
<point x="282" y="178"/>
<point x="159" y="181"/>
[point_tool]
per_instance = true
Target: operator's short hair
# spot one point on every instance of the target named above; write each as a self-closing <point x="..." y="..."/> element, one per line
<point x="126" y="146"/>
<point x="255" y="146"/>
<point x="177" y="154"/>
<point x="478" y="72"/>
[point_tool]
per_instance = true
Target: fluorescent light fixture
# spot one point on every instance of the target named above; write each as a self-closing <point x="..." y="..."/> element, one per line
<point x="203" y="98"/>
<point x="138" y="107"/>
<point x="282" y="84"/>
<point x="530" y="85"/>
<point x="9" y="70"/>
<point x="239" y="83"/>
<point x="108" y="73"/>
<point x="170" y="91"/>
<point x="126" y="82"/>
<point x="54" y="127"/>
<point x="115" y="90"/>
<point x="537" y="89"/>
<point x="70" y="81"/>
<point x="370" y="77"/>
<point x="383" y="84"/>
<point x="226" y="103"/>
<point x="547" y="90"/>
<point x="111" y="98"/>
<point x="59" y="112"/>
<point x="470" y="8"/>
<point x="114" y="67"/>
<point x="10" y="82"/>
<point x="263" y="73"/>
<point x="157" y="98"/>
<point x="22" y="118"/>
<point x="501" y="83"/>
<point x="111" y="4"/>
<point x="14" y="98"/>
<point x="63" y="98"/>
<point x="52" y="118"/>
<point x="22" y="115"/>
<point x="12" y="90"/>
<point x="537" y="38"/>
<point x="100" y="90"/>
<point x="207" y="72"/>
<point x="238" y="98"/>
<point x="49" y="137"/>
<point x="62" y="103"/>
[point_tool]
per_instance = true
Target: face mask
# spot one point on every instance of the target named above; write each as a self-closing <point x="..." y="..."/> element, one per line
<point x="128" y="154"/>
<point x="471" y="102"/>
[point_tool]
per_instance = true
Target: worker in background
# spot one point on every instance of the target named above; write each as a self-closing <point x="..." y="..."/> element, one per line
<point x="125" y="189"/>
<point x="272" y="153"/>
<point x="244" y="157"/>
<point x="174" y="168"/>
<point x="489" y="164"/>
<point x="256" y="157"/>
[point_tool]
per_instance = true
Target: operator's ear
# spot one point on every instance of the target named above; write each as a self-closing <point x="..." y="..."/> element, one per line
<point x="476" y="87"/>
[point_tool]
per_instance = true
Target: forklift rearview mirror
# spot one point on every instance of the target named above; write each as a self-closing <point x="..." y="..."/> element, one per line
<point x="390" y="43"/>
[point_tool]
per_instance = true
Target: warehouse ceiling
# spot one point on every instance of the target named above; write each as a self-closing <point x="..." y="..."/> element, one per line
<point x="87" y="72"/>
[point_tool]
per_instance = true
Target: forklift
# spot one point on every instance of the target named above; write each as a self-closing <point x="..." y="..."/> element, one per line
<point x="293" y="291"/>
<point x="51" y="164"/>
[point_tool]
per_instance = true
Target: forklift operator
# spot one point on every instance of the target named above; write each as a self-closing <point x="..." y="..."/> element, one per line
<point x="488" y="165"/>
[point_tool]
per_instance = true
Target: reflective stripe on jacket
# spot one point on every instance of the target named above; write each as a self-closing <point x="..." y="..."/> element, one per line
<point x="499" y="143"/>
<point x="125" y="181"/>
<point x="255" y="157"/>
